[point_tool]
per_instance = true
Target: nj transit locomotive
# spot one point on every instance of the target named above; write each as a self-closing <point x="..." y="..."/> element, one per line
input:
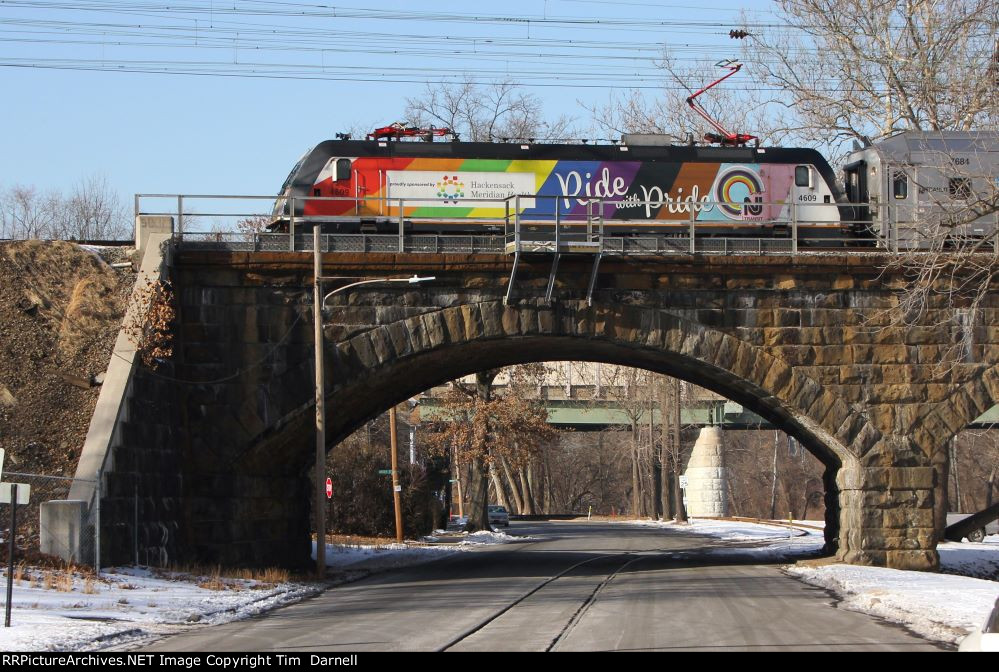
<point x="895" y="192"/>
<point x="635" y="187"/>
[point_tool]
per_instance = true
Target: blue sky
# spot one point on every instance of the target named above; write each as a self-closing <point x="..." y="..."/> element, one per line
<point x="172" y="133"/>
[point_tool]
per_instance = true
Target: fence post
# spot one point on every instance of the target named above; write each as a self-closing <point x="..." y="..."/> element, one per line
<point x="894" y="232"/>
<point x="135" y="525"/>
<point x="97" y="527"/>
<point x="402" y="225"/>
<point x="180" y="216"/>
<point x="693" y="248"/>
<point x="794" y="227"/>
<point x="558" y="222"/>
<point x="589" y="221"/>
<point x="516" y="224"/>
<point x="291" y="224"/>
<point x="506" y="220"/>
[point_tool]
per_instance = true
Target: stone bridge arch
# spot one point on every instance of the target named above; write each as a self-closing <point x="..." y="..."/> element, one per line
<point x="375" y="368"/>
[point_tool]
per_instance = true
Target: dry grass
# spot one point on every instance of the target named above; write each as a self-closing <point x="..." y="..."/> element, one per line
<point x="64" y="582"/>
<point x="268" y="575"/>
<point x="49" y="581"/>
<point x="228" y="578"/>
<point x="89" y="586"/>
<point x="75" y="301"/>
<point x="92" y="305"/>
<point x="214" y="581"/>
<point x="19" y="573"/>
<point x="358" y="540"/>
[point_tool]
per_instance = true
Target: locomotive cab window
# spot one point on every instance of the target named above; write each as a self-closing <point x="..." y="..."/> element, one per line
<point x="803" y="176"/>
<point x="342" y="169"/>
<point x="900" y="185"/>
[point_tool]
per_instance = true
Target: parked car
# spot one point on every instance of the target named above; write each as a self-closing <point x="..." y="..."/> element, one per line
<point x="975" y="535"/>
<point x="498" y="516"/>
<point x="985" y="638"/>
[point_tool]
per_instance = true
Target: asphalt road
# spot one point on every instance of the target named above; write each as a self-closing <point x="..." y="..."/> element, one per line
<point x="579" y="587"/>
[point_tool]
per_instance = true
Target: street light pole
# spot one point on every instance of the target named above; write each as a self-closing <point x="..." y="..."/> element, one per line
<point x="396" y="488"/>
<point x="319" y="301"/>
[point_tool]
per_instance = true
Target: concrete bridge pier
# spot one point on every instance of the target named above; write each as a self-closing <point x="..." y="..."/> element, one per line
<point x="707" y="478"/>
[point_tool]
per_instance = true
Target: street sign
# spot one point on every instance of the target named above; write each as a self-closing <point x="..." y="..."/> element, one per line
<point x="329" y="488"/>
<point x="397" y="488"/>
<point x="1" y="461"/>
<point x="683" y="481"/>
<point x="385" y="472"/>
<point x="23" y="493"/>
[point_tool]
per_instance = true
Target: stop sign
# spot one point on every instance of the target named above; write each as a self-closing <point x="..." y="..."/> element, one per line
<point x="329" y="488"/>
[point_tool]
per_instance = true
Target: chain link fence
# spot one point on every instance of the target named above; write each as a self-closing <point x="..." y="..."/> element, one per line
<point x="50" y="525"/>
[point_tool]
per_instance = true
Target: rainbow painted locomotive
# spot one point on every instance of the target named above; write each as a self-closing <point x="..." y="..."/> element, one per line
<point x="633" y="187"/>
<point x="901" y="191"/>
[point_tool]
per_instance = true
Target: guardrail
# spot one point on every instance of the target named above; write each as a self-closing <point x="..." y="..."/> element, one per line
<point x="532" y="224"/>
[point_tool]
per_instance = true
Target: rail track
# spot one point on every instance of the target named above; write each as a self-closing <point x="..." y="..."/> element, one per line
<point x="490" y="629"/>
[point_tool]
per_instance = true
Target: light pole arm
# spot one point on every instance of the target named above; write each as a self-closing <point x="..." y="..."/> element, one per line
<point x="413" y="280"/>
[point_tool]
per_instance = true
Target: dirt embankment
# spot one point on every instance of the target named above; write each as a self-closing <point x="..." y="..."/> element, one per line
<point x="61" y="306"/>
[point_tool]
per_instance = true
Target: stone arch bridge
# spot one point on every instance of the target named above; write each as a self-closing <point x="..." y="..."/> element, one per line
<point x="219" y="443"/>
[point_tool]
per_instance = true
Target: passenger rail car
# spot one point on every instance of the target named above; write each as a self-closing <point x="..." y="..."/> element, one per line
<point x="923" y="187"/>
<point x="632" y="188"/>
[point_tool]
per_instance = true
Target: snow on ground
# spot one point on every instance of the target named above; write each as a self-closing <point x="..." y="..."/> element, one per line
<point x="128" y="602"/>
<point x="133" y="603"/>
<point x="970" y="559"/>
<point x="764" y="543"/>
<point x="472" y="539"/>
<point x="943" y="607"/>
<point x="377" y="558"/>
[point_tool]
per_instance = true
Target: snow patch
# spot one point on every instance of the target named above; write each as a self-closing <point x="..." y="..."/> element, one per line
<point x="937" y="606"/>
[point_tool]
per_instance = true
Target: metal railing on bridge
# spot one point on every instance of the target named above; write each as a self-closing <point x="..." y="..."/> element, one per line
<point x="531" y="224"/>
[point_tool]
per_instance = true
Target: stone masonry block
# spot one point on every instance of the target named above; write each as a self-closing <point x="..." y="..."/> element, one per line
<point x="778" y="378"/>
<point x="454" y="325"/>
<point x="865" y="440"/>
<point x="915" y="560"/>
<point x="726" y="354"/>
<point x="398" y="334"/>
<point x="492" y="319"/>
<point x="802" y="392"/>
<point x="434" y="328"/>
<point x="511" y="321"/>
<point x="471" y="317"/>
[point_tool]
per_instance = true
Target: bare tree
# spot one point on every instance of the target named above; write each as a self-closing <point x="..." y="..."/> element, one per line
<point x="482" y="430"/>
<point x="91" y="211"/>
<point x="485" y="112"/>
<point x="861" y="70"/>
<point x="26" y="213"/>
<point x="865" y="69"/>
